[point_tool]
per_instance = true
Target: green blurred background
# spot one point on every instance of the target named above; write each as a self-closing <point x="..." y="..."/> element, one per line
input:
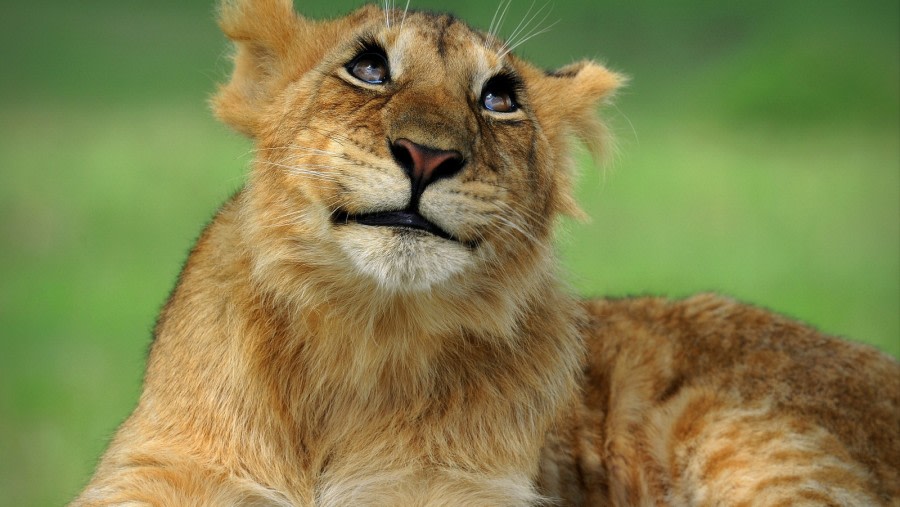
<point x="758" y="156"/>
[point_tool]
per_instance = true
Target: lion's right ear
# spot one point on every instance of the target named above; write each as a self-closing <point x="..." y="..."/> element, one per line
<point x="269" y="38"/>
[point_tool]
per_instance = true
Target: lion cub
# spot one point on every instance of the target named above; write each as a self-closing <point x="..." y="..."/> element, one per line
<point x="376" y="318"/>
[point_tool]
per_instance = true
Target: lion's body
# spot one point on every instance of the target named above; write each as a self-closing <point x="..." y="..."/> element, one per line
<point x="352" y="420"/>
<point x="710" y="402"/>
<point x="376" y="318"/>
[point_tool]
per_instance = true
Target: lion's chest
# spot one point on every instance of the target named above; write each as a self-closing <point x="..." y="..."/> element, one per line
<point x="421" y="465"/>
<point x="428" y="487"/>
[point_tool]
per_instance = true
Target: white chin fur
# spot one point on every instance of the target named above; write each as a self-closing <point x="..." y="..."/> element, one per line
<point x="403" y="260"/>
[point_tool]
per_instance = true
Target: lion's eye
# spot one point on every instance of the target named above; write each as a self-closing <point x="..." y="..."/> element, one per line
<point x="499" y="102"/>
<point x="370" y="67"/>
<point x="499" y="94"/>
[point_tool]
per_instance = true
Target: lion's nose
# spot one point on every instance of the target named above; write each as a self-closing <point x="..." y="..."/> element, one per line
<point x="425" y="165"/>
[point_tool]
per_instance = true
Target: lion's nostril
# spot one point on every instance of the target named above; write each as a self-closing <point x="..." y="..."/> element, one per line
<point x="425" y="165"/>
<point x="402" y="156"/>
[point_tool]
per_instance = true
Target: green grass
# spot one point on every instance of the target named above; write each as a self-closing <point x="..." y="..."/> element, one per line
<point x="790" y="225"/>
<point x="759" y="157"/>
<point x="99" y="217"/>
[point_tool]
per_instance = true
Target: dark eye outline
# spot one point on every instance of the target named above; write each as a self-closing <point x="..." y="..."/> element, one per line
<point x="370" y="50"/>
<point x="502" y="84"/>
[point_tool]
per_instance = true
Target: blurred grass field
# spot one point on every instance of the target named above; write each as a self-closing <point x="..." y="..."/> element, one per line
<point x="759" y="156"/>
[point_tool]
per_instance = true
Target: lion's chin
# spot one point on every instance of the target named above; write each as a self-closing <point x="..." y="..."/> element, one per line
<point x="401" y="259"/>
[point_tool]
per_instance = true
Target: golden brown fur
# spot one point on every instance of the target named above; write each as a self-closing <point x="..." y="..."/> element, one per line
<point x="707" y="401"/>
<point x="306" y="358"/>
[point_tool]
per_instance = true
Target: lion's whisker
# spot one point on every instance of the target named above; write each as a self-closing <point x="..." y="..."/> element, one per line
<point x="305" y="171"/>
<point x="497" y="20"/>
<point x="530" y="36"/>
<point x="524" y="31"/>
<point x="317" y="151"/>
<point x="518" y="229"/>
<point x="519" y="27"/>
<point x="405" y="10"/>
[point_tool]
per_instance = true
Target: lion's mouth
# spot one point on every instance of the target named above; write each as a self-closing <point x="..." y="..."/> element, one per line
<point x="401" y="219"/>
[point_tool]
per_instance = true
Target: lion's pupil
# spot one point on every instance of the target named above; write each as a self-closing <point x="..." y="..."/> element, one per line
<point x="498" y="102"/>
<point x="370" y="68"/>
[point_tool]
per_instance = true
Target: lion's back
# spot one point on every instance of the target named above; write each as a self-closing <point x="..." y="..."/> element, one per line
<point x="709" y="398"/>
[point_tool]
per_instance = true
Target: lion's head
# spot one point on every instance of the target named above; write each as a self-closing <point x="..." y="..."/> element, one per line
<point x="401" y="150"/>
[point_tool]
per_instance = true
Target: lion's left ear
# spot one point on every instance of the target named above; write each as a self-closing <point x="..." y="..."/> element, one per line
<point x="589" y="81"/>
<point x="568" y="101"/>
<point x="569" y="98"/>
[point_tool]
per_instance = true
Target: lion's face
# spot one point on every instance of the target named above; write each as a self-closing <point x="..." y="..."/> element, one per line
<point x="418" y="147"/>
<point x="410" y="150"/>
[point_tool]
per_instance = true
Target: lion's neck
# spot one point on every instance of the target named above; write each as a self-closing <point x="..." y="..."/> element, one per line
<point x="326" y="362"/>
<point x="387" y="351"/>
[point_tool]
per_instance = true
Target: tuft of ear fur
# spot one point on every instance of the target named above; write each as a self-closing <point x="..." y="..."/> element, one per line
<point x="569" y="98"/>
<point x="580" y="88"/>
<point x="266" y="34"/>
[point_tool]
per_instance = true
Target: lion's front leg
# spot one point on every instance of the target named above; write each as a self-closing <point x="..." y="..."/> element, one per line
<point x="181" y="484"/>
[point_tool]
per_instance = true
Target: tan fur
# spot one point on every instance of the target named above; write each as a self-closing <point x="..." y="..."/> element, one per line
<point x="707" y="401"/>
<point x="306" y="361"/>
